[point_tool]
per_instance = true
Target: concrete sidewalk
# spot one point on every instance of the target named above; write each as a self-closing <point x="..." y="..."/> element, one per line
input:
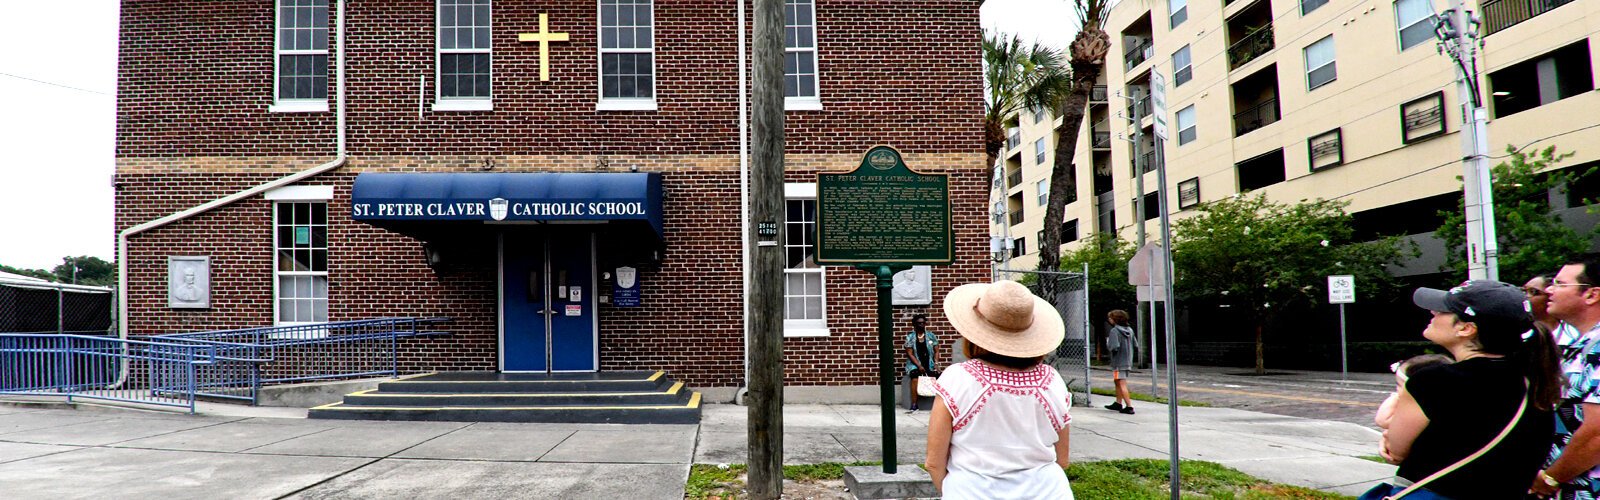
<point x="92" y="452"/>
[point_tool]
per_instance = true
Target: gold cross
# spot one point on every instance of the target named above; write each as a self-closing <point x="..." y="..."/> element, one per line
<point x="544" y="37"/>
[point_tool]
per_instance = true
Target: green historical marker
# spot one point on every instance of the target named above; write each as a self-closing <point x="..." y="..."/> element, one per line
<point x="883" y="218"/>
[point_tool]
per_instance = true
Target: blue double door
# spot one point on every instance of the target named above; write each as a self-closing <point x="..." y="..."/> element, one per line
<point x="549" y="321"/>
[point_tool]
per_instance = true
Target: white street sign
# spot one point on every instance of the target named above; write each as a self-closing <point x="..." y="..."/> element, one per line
<point x="1342" y="289"/>
<point x="1158" y="102"/>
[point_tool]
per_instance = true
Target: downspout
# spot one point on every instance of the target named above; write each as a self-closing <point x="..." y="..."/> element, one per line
<point x="339" y="161"/>
<point x="744" y="198"/>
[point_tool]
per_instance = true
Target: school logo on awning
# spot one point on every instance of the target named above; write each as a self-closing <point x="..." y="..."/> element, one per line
<point x="497" y="208"/>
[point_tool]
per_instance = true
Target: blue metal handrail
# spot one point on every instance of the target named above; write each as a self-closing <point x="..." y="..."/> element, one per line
<point x="91" y="367"/>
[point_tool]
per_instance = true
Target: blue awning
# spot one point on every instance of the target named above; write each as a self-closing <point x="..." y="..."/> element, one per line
<point x="385" y="198"/>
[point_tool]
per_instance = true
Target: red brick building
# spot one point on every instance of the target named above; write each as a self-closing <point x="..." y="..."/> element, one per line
<point x="445" y="111"/>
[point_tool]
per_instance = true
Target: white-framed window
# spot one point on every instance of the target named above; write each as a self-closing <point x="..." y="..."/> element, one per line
<point x="1306" y="6"/>
<point x="805" y="308"/>
<point x="1179" y="10"/>
<point x="800" y="82"/>
<point x="1320" y="68"/>
<point x="1043" y="188"/>
<point x="1038" y="151"/>
<point x="1186" y="125"/>
<point x="1019" y="247"/>
<point x="627" y="55"/>
<point x="300" y="68"/>
<point x="1181" y="70"/>
<point x="300" y="272"/>
<point x="462" y="66"/>
<point x="1412" y="18"/>
<point x="1038" y="114"/>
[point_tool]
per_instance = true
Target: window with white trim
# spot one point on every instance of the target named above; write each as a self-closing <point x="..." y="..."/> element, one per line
<point x="1043" y="187"/>
<point x="1038" y="114"/>
<point x="1186" y="125"/>
<point x="627" y="55"/>
<point x="464" y="55"/>
<point x="1181" y="72"/>
<point x="804" y="282"/>
<point x="300" y="247"/>
<point x="1320" y="68"/>
<point x="800" y="85"/>
<point x="1412" y="18"/>
<point x="1179" y="10"/>
<point x="301" y="65"/>
<point x="1038" y="151"/>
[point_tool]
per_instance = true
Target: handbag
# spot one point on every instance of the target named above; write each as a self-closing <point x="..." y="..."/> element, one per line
<point x="1386" y="491"/>
<point x="925" y="387"/>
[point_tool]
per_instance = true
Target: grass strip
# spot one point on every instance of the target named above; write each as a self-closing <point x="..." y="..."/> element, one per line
<point x="1138" y="396"/>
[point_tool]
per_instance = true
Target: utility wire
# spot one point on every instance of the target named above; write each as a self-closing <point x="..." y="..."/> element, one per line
<point x="19" y="77"/>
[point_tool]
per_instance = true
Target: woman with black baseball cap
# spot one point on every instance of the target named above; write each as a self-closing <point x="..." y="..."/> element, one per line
<point x="1478" y="428"/>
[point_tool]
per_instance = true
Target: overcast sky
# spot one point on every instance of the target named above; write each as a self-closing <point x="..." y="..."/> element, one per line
<point x="58" y="120"/>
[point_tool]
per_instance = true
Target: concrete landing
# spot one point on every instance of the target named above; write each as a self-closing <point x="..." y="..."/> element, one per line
<point x="908" y="481"/>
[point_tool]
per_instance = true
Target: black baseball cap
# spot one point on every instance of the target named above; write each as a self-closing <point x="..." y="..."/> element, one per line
<point x="1478" y="301"/>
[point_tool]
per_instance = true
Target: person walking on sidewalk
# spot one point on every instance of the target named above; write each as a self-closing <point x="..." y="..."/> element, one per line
<point x="922" y="349"/>
<point x="999" y="426"/>
<point x="1119" y="340"/>
<point x="1573" y="468"/>
<point x="1476" y="427"/>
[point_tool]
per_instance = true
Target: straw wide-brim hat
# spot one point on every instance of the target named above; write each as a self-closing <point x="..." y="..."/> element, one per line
<point x="1005" y="318"/>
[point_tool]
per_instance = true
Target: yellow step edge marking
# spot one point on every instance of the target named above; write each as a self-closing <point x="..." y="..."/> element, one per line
<point x="329" y="406"/>
<point x="359" y="393"/>
<point x="674" y="390"/>
<point x="415" y="375"/>
<point x="658" y="375"/>
<point x="693" y="403"/>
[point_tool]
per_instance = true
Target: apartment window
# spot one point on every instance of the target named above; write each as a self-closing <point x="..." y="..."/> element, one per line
<point x="627" y="55"/>
<point x="1152" y="205"/>
<point x="1413" y="18"/>
<point x="1019" y="247"/>
<point x="302" y="56"/>
<point x="1069" y="231"/>
<point x="1038" y="152"/>
<point x="300" y="244"/>
<point x="1188" y="193"/>
<point x="464" y="55"/>
<point x="1326" y="150"/>
<point x="1186" y="125"/>
<point x="800" y="55"/>
<point x="1320" y="68"/>
<point x="1261" y="171"/>
<point x="1179" y="10"/>
<point x="804" y="311"/>
<point x="1306" y="6"/>
<point x="1043" y="187"/>
<point x="1038" y="114"/>
<point x="1542" y="80"/>
<point x="1181" y="71"/>
<point x="1422" y="118"/>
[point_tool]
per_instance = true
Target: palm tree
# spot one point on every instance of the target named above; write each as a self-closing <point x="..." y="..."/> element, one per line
<point x="1018" y="78"/>
<point x="1088" y="53"/>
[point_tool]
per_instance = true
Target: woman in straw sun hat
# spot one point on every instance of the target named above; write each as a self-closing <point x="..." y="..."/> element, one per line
<point x="998" y="428"/>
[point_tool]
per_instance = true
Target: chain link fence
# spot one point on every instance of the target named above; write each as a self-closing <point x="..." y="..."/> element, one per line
<point x="1069" y="292"/>
<point x="38" y="306"/>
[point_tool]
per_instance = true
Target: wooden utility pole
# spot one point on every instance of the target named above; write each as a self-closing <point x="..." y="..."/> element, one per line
<point x="766" y="290"/>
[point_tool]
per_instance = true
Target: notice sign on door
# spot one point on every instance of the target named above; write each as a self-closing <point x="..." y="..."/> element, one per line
<point x="1342" y="289"/>
<point x="574" y="310"/>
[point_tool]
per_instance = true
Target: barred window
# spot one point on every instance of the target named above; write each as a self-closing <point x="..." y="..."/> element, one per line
<point x="300" y="245"/>
<point x="464" y="50"/>
<point x="302" y="52"/>
<point x="627" y="51"/>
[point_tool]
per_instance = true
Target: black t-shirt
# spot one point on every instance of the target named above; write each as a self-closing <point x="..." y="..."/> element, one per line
<point x="1467" y="405"/>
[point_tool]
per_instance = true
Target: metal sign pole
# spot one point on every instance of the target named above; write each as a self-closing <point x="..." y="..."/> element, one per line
<point x="885" y="281"/>
<point x="1344" y="351"/>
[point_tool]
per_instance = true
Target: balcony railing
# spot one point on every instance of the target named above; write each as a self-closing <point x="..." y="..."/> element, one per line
<point x="1014" y="140"/>
<point x="1148" y="161"/>
<point x="1260" y="115"/>
<point x="1138" y="106"/>
<point x="1251" y="46"/>
<point x="1016" y="217"/>
<point x="1101" y="140"/>
<point x="1138" y="53"/>
<point x="1097" y="94"/>
<point x="1502" y="14"/>
<point x="1013" y="178"/>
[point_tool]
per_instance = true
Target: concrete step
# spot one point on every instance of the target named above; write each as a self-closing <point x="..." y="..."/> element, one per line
<point x="528" y="383"/>
<point x="682" y="413"/>
<point x="676" y="394"/>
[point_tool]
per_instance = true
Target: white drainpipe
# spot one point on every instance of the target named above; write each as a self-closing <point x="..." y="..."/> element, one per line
<point x="744" y="197"/>
<point x="122" y="238"/>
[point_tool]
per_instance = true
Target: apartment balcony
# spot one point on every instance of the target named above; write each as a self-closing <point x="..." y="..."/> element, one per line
<point x="1014" y="178"/>
<point x="1142" y="49"/>
<point x="1502" y="14"/>
<point x="1016" y="217"/>
<point x="1138" y="105"/>
<point x="1014" y="139"/>
<point x="1257" y="116"/>
<point x="1100" y="140"/>
<point x="1253" y="45"/>
<point x="1097" y="94"/>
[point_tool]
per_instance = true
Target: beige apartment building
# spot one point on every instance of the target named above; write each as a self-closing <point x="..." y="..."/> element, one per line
<point x="1303" y="99"/>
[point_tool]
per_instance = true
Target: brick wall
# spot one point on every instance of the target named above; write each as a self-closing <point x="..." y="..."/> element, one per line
<point x="195" y="83"/>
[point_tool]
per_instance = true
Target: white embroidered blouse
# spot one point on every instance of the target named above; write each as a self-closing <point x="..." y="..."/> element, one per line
<point x="1004" y="431"/>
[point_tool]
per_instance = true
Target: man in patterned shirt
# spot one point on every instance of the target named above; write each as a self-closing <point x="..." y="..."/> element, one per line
<point x="1573" y="472"/>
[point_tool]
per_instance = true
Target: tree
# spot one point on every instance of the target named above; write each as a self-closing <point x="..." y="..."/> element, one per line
<point x="1088" y="59"/>
<point x="1531" y="238"/>
<point x="90" y="271"/>
<point x="1107" y="256"/>
<point x="32" y="273"/>
<point x="1017" y="78"/>
<point x="1264" y="257"/>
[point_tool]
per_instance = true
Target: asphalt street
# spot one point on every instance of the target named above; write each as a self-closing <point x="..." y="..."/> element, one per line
<point x="1296" y="393"/>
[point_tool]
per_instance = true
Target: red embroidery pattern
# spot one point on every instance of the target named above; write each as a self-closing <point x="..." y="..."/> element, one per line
<point x="949" y="402"/>
<point x="1029" y="383"/>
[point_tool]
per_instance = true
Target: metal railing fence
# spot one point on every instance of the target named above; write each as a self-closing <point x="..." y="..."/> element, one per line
<point x="1069" y="293"/>
<point x="103" y="368"/>
<point x="1248" y="48"/>
<point x="1502" y="14"/>
<point x="1260" y="115"/>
